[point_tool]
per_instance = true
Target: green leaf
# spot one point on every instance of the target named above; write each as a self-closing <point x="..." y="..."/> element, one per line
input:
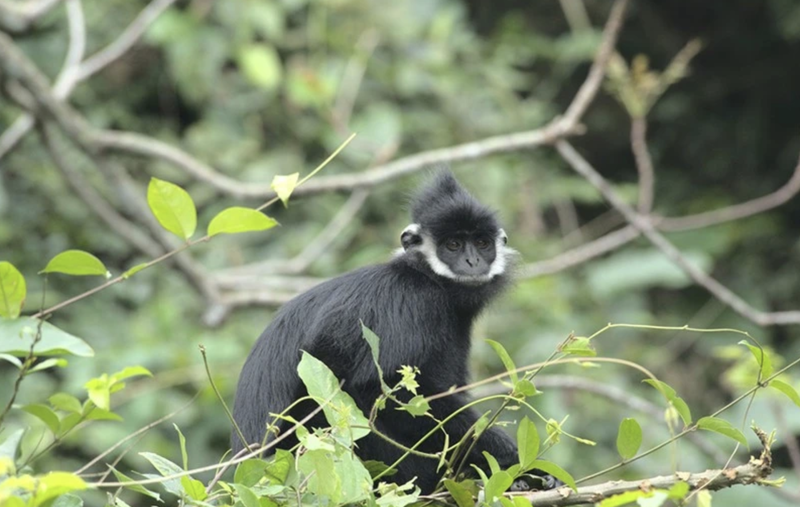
<point x="173" y="207"/>
<point x="68" y="422"/>
<point x="527" y="443"/>
<point x="497" y="485"/>
<point x="246" y="496"/>
<point x="184" y="455"/>
<point x="356" y="482"/>
<point x="250" y="472"/>
<point x="12" y="291"/>
<point x="320" y="471"/>
<point x="99" y="414"/>
<point x="556" y="471"/>
<point x="284" y="186"/>
<point x="99" y="391"/>
<point x="278" y="468"/>
<point x="76" y="263"/>
<point x="657" y="498"/>
<point x="135" y="487"/>
<point x="49" y="363"/>
<point x="11" y="359"/>
<point x="506" y="359"/>
<point x="525" y="388"/>
<point x="67" y="500"/>
<point x="374" y="346"/>
<point x="44" y="414"/>
<point x="130" y="371"/>
<point x="17" y="335"/>
<point x="521" y="501"/>
<point x="237" y="219"/>
<point x="625" y="498"/>
<point x="194" y="489"/>
<point x="786" y="389"/>
<point x="669" y="393"/>
<point x="679" y="490"/>
<point x="341" y="412"/>
<point x="460" y="494"/>
<point x="417" y="406"/>
<point x="55" y="484"/>
<point x="579" y="346"/>
<point x="494" y="466"/>
<point x="629" y="438"/>
<point x="132" y="271"/>
<point x="761" y="357"/>
<point x="9" y="446"/>
<point x="722" y="427"/>
<point x="165" y="467"/>
<point x="260" y="65"/>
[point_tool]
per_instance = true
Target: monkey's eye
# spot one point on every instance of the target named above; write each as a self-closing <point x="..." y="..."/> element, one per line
<point x="482" y="243"/>
<point x="453" y="245"/>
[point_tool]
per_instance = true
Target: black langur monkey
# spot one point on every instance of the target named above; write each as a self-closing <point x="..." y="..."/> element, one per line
<point x="422" y="305"/>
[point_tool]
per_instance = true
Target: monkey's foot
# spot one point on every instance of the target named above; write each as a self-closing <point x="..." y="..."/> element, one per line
<point x="529" y="482"/>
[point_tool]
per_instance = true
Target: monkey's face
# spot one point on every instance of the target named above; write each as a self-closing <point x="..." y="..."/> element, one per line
<point x="469" y="257"/>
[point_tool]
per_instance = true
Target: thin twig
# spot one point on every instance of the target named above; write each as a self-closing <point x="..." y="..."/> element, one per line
<point x="644" y="164"/>
<point x="582" y="167"/>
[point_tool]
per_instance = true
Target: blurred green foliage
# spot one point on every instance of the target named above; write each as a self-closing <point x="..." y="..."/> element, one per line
<point x="258" y="88"/>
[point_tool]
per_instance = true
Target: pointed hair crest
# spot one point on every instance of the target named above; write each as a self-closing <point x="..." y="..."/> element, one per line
<point x="445" y="207"/>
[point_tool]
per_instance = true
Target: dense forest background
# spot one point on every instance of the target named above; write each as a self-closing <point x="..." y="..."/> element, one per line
<point x="256" y="88"/>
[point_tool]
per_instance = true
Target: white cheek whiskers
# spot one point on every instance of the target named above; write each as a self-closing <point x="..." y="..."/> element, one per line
<point x="498" y="266"/>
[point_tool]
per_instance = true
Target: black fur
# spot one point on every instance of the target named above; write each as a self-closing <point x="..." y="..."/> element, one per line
<point x="422" y="319"/>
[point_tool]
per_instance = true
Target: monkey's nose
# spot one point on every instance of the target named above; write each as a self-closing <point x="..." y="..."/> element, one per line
<point x="473" y="262"/>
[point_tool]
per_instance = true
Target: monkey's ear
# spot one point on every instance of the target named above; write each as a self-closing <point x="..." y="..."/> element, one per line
<point x="411" y="236"/>
<point x="503" y="236"/>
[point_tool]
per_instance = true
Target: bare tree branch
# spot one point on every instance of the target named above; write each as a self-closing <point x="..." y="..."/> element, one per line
<point x="582" y="167"/>
<point x="74" y="71"/>
<point x="612" y="393"/>
<point x="92" y="139"/>
<point x="754" y="472"/>
<point x="644" y="164"/>
<point x="19" y="18"/>
<point x="96" y="202"/>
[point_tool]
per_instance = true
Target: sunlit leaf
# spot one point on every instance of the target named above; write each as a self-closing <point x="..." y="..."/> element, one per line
<point x="556" y="471"/>
<point x="527" y="443"/>
<point x="99" y="391"/>
<point x="374" y="346"/>
<point x="677" y="402"/>
<point x="135" y="487"/>
<point x="44" y="414"/>
<point x="182" y="442"/>
<point x="722" y="427"/>
<point x="132" y="271"/>
<point x="250" y="472"/>
<point x="341" y="412"/>
<point x="173" y="207"/>
<point x="525" y="387"/>
<point x="261" y="65"/>
<point x="55" y="484"/>
<point x="497" y="485"/>
<point x="236" y="219"/>
<point x="194" y="489"/>
<point x="12" y="291"/>
<point x="494" y="466"/>
<point x="49" y="363"/>
<point x="505" y="358"/>
<point x="629" y="438"/>
<point x="77" y="263"/>
<point x="460" y="494"/>
<point x="761" y="357"/>
<point x="786" y="389"/>
<point x="284" y="186"/>
<point x="165" y="467"/>
<point x="130" y="371"/>
<point x="579" y="346"/>
<point x="17" y="335"/>
<point x="417" y="406"/>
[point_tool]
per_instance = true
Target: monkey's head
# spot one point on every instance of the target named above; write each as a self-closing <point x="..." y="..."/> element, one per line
<point x="458" y="237"/>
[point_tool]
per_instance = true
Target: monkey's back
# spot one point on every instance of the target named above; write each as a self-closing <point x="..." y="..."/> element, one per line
<point x="399" y="303"/>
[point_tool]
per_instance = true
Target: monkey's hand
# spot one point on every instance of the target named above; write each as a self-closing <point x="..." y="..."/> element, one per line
<point x="528" y="482"/>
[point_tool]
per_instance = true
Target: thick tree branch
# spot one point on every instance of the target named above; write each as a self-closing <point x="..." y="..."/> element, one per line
<point x="754" y="472"/>
<point x="19" y="18"/>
